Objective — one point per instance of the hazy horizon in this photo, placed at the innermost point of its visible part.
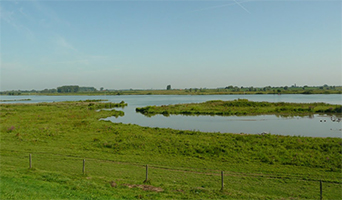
(211, 88)
(186, 44)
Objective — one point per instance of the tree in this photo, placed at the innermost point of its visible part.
(168, 87)
(68, 89)
(87, 89)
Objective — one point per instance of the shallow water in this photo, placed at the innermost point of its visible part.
(315, 126)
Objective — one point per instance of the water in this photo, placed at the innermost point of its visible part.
(314, 126)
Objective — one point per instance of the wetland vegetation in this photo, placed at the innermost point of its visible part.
(241, 107)
(183, 164)
(12, 100)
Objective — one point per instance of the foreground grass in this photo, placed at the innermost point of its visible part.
(182, 164)
(242, 107)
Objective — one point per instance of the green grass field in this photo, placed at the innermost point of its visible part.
(182, 164)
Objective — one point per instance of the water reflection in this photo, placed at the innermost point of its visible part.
(330, 126)
(308, 125)
(333, 117)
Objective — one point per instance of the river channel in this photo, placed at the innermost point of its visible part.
(313, 126)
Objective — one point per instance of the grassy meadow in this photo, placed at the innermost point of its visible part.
(182, 164)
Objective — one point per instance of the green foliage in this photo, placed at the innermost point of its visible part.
(68, 89)
(185, 164)
(241, 107)
(93, 100)
(95, 106)
(87, 89)
(15, 100)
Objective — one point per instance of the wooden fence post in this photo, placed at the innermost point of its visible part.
(321, 189)
(146, 173)
(222, 183)
(83, 170)
(30, 160)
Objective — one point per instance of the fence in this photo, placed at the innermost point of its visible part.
(136, 172)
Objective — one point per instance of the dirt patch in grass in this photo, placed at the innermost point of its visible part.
(145, 187)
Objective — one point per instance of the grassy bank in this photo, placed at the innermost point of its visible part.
(241, 107)
(182, 164)
(15, 100)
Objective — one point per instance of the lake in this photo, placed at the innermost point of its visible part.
(313, 126)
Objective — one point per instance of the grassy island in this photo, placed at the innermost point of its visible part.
(241, 107)
(181, 164)
(12, 100)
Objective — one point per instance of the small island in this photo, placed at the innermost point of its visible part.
(11, 100)
(241, 107)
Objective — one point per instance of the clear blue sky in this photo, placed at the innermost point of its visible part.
(151, 44)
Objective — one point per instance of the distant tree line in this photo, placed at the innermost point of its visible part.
(294, 89)
(74, 89)
(88, 89)
(68, 89)
(62, 89)
(48, 91)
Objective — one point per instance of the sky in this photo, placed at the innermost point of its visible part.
(145, 44)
